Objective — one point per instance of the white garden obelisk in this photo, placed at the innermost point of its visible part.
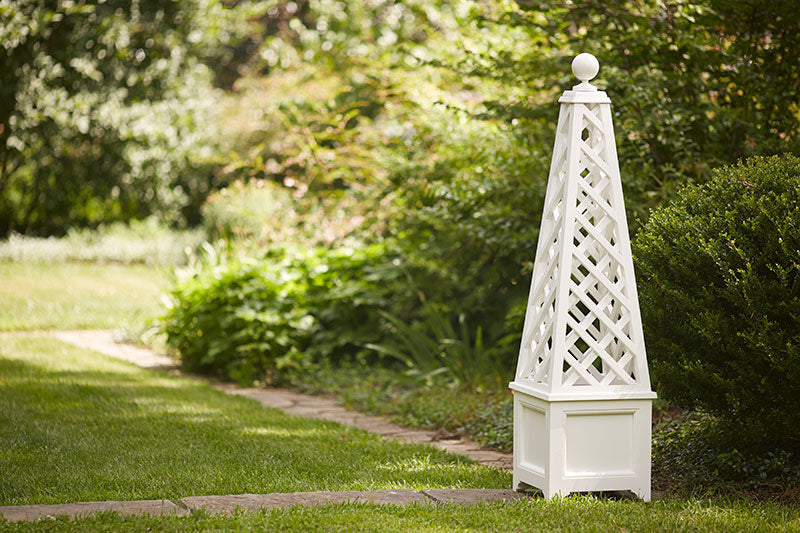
(582, 398)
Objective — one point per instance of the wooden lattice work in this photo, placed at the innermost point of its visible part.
(582, 328)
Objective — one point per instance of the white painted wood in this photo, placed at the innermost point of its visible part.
(582, 341)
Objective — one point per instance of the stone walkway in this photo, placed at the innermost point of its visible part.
(292, 403)
(255, 502)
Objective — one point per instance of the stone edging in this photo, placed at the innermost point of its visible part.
(254, 502)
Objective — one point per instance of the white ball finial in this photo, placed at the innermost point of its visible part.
(585, 67)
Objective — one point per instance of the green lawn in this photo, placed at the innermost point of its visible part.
(78, 295)
(79, 426)
(578, 513)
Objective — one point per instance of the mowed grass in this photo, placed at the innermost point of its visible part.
(576, 513)
(79, 426)
(78, 295)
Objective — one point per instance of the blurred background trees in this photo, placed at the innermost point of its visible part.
(114, 110)
(106, 111)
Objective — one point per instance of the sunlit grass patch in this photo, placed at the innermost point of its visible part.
(78, 295)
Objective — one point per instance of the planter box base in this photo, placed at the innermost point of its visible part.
(582, 445)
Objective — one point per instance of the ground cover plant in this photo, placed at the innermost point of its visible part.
(463, 409)
(79, 426)
(576, 513)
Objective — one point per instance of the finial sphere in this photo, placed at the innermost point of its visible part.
(585, 66)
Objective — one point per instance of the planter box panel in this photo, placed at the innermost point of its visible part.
(599, 443)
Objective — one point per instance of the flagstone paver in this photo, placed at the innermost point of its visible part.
(255, 502)
(103, 341)
(229, 504)
(17, 513)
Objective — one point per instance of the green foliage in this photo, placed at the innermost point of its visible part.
(466, 218)
(478, 412)
(719, 276)
(493, 425)
(453, 145)
(694, 84)
(238, 321)
(435, 345)
(106, 112)
(248, 319)
(691, 455)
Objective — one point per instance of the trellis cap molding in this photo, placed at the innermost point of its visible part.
(585, 67)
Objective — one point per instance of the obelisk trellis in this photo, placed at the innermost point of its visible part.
(582, 398)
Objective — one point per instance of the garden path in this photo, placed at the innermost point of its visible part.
(255, 502)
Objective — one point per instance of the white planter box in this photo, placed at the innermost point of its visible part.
(566, 446)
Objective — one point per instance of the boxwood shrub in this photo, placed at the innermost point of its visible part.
(719, 282)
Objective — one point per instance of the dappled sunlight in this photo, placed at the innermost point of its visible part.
(426, 464)
(161, 405)
(77, 295)
(285, 432)
(97, 433)
(52, 355)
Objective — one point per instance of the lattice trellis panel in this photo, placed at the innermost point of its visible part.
(582, 329)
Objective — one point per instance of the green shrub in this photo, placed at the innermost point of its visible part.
(249, 319)
(238, 320)
(719, 281)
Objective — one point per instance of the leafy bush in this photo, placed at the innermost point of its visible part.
(249, 319)
(106, 111)
(719, 277)
(138, 241)
(238, 320)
